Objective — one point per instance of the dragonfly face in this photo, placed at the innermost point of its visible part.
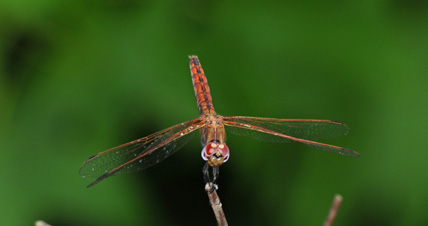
(215, 154)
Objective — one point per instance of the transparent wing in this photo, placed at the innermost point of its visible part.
(138, 154)
(290, 130)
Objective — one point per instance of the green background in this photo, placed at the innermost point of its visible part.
(79, 77)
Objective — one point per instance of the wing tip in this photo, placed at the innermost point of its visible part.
(99, 179)
(92, 184)
(338, 123)
(349, 152)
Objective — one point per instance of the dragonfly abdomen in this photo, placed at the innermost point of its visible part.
(200, 85)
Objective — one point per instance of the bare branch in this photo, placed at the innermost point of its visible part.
(216, 204)
(337, 200)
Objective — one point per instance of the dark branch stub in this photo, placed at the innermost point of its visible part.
(333, 210)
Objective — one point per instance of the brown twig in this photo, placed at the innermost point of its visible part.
(216, 204)
(337, 200)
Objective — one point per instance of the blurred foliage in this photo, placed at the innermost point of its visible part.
(77, 77)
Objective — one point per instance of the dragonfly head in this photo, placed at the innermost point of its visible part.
(215, 154)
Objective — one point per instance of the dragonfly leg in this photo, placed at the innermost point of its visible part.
(210, 174)
(206, 173)
(216, 173)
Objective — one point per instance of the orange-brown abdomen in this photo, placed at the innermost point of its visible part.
(200, 85)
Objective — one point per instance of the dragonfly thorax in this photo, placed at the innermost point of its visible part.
(213, 129)
(215, 154)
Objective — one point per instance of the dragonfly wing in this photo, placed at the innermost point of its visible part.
(309, 129)
(139, 154)
(290, 130)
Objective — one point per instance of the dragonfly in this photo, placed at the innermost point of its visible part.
(150, 150)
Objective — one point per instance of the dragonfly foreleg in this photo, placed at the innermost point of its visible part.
(210, 174)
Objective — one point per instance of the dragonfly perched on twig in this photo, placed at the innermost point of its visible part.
(150, 150)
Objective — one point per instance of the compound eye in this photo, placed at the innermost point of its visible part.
(226, 158)
(224, 151)
(209, 150)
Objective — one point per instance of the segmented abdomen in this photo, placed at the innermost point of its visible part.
(200, 85)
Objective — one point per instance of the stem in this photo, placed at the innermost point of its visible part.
(333, 210)
(216, 204)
